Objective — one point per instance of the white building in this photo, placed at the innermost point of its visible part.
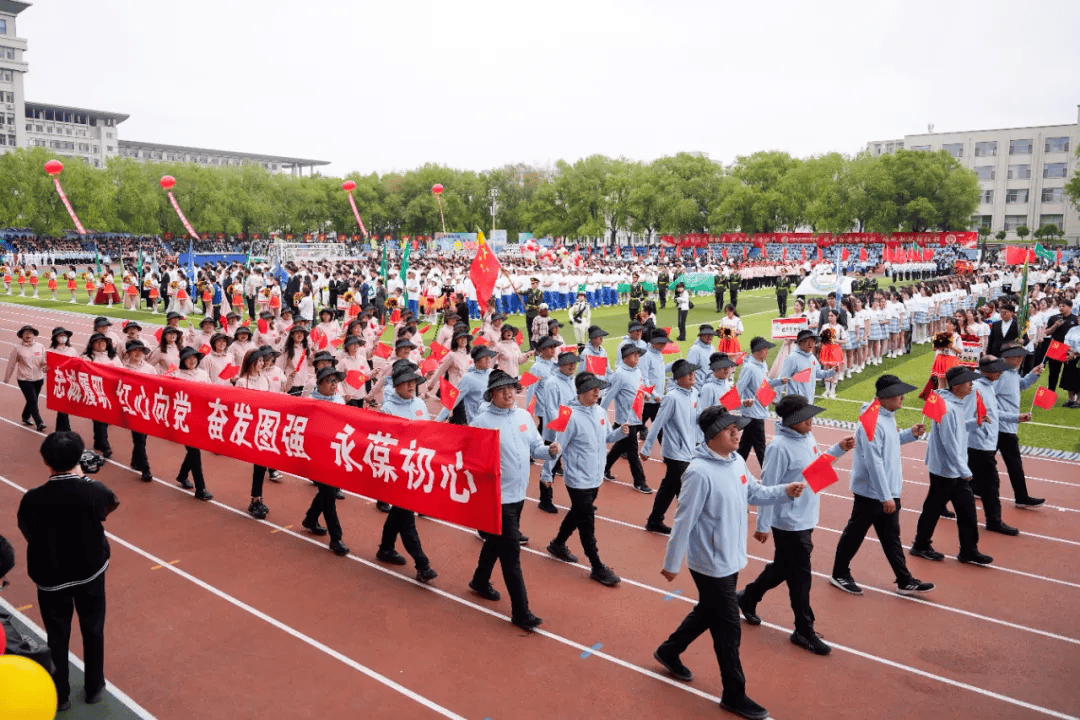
(72, 132)
(12, 69)
(1022, 172)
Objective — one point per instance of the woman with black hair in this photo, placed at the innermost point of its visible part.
(166, 356)
(296, 361)
(190, 370)
(100, 350)
(252, 377)
(61, 344)
(28, 357)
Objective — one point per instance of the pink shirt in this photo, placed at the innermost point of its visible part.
(354, 362)
(508, 356)
(28, 360)
(453, 366)
(214, 363)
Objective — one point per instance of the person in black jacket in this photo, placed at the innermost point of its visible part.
(1004, 331)
(66, 556)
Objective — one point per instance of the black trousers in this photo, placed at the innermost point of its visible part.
(1009, 447)
(791, 565)
(63, 422)
(139, 460)
(662, 291)
(735, 298)
(457, 415)
(30, 390)
(258, 475)
(985, 482)
(718, 612)
(682, 324)
(505, 548)
(867, 513)
(581, 517)
(325, 503)
(943, 490)
(648, 414)
(1053, 365)
(101, 436)
(193, 464)
(753, 437)
(670, 487)
(628, 446)
(781, 303)
(719, 295)
(57, 608)
(529, 317)
(403, 522)
(251, 306)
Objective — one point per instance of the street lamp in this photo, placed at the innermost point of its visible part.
(493, 193)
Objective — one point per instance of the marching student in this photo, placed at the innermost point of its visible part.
(242, 344)
(801, 358)
(297, 361)
(582, 444)
(792, 524)
(1007, 389)
(950, 477)
(654, 374)
(678, 417)
(190, 370)
(471, 388)
(542, 367)
(198, 339)
(325, 500)
(699, 354)
(754, 370)
(135, 360)
(710, 532)
(354, 360)
(876, 481)
(99, 349)
(518, 442)
(61, 344)
(983, 441)
(508, 354)
(622, 389)
(252, 377)
(28, 358)
(218, 358)
(558, 390)
(718, 383)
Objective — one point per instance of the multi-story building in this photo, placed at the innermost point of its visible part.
(1022, 173)
(157, 152)
(12, 69)
(73, 132)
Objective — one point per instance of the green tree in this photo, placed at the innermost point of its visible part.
(1001, 235)
(1022, 232)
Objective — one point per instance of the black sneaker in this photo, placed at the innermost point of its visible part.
(974, 558)
(926, 553)
(658, 527)
(948, 514)
(745, 707)
(526, 622)
(644, 489)
(338, 548)
(523, 539)
(275, 476)
(93, 698)
(608, 475)
(549, 508)
(340, 494)
(392, 557)
(63, 705)
(1030, 502)
(914, 586)
(203, 494)
(426, 575)
(747, 609)
(674, 666)
(847, 584)
(488, 592)
(41, 428)
(315, 529)
(184, 483)
(1000, 527)
(257, 510)
(813, 643)
(383, 506)
(147, 476)
(605, 576)
(561, 552)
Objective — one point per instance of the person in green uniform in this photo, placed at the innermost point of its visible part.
(533, 297)
(718, 289)
(733, 287)
(783, 285)
(637, 294)
(663, 279)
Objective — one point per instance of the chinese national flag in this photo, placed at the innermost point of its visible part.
(934, 408)
(484, 271)
(1045, 398)
(863, 255)
(802, 376)
(672, 348)
(157, 334)
(980, 409)
(438, 351)
(205, 349)
(568, 348)
(731, 399)
(475, 330)
(596, 365)
(844, 254)
(318, 338)
(528, 379)
(804, 254)
(383, 350)
(337, 342)
(559, 423)
(263, 326)
(355, 378)
(783, 255)
(820, 473)
(429, 365)
(228, 372)
(449, 393)
(480, 340)
(765, 394)
(246, 323)
(172, 368)
(1057, 351)
(425, 328)
(869, 419)
(532, 406)
(639, 402)
(1018, 256)
(519, 338)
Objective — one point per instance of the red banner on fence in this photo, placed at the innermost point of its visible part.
(443, 471)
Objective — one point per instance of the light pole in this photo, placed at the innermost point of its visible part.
(493, 193)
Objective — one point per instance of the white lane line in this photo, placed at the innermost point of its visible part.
(426, 702)
(116, 692)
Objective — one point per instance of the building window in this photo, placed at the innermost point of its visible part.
(1051, 195)
(1056, 145)
(84, 147)
(11, 140)
(109, 135)
(9, 53)
(1055, 220)
(1054, 170)
(29, 127)
(986, 149)
(1013, 197)
(985, 172)
(1014, 221)
(987, 197)
(1021, 147)
(9, 76)
(49, 129)
(920, 148)
(8, 97)
(2, 140)
(979, 221)
(1019, 172)
(3, 27)
(954, 149)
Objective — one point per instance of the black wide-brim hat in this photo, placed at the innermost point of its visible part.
(242, 329)
(992, 365)
(61, 331)
(682, 368)
(405, 376)
(329, 372)
(630, 349)
(547, 342)
(189, 352)
(136, 345)
(793, 409)
(890, 386)
(659, 338)
(1017, 351)
(27, 328)
(760, 343)
(595, 332)
(724, 420)
(706, 329)
(587, 381)
(805, 335)
(498, 379)
(960, 375)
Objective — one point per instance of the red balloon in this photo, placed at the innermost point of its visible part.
(348, 186)
(53, 167)
(437, 188)
(167, 182)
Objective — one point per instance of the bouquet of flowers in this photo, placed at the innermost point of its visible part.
(942, 341)
(297, 297)
(174, 284)
(347, 297)
(828, 336)
(265, 291)
(727, 333)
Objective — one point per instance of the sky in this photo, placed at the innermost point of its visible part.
(477, 84)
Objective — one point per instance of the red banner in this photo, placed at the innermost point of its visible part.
(180, 214)
(356, 214)
(448, 472)
(67, 204)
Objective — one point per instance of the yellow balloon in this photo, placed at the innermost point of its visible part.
(27, 691)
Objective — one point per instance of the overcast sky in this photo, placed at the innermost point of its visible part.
(381, 86)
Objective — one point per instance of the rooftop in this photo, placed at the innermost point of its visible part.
(13, 7)
(102, 114)
(259, 157)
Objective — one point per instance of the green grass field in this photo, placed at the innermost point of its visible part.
(1056, 428)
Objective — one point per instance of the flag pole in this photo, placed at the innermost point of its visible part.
(512, 286)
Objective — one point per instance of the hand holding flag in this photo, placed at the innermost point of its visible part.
(1057, 351)
(528, 379)
(868, 419)
(934, 408)
(820, 474)
(228, 372)
(803, 375)
(765, 394)
(356, 378)
(561, 420)
(731, 399)
(448, 393)
(596, 364)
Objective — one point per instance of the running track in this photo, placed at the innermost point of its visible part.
(214, 614)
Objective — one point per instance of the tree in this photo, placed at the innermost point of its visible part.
(1001, 235)
(1022, 232)
(984, 232)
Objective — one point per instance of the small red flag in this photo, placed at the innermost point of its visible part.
(765, 394)
(528, 379)
(532, 406)
(354, 310)
(639, 402)
(804, 254)
(449, 393)
(928, 390)
(596, 365)
(568, 348)
(868, 419)
(356, 378)
(820, 473)
(395, 317)
(228, 372)
(319, 338)
(1045, 398)
(246, 323)
(519, 338)
(863, 255)
(300, 362)
(336, 342)
(803, 375)
(425, 328)
(934, 408)
(438, 351)
(672, 348)
(383, 350)
(205, 349)
(731, 399)
(560, 421)
(737, 358)
(123, 325)
(844, 254)
(429, 365)
(480, 340)
(475, 330)
(157, 334)
(980, 409)
(172, 368)
(483, 272)
(667, 331)
(263, 326)
(1057, 351)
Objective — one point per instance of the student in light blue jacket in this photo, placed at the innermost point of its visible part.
(801, 358)
(699, 353)
(950, 478)
(791, 524)
(543, 366)
(558, 390)
(678, 416)
(983, 442)
(595, 349)
(654, 373)
(754, 371)
(471, 387)
(624, 384)
(710, 532)
(719, 381)
(876, 480)
(1008, 388)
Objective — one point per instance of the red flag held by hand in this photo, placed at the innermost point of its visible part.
(532, 406)
(172, 368)
(868, 419)
(395, 317)
(765, 393)
(157, 334)
(438, 351)
(1045, 398)
(528, 379)
(980, 409)
(425, 328)
(519, 338)
(803, 375)
(337, 342)
(300, 362)
(596, 364)
(356, 378)
(429, 365)
(448, 393)
(934, 408)
(205, 349)
(560, 421)
(671, 348)
(639, 403)
(480, 340)
(820, 473)
(731, 399)
(264, 326)
(1057, 351)
(228, 372)
(383, 350)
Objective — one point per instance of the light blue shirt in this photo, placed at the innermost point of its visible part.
(946, 450)
(518, 441)
(877, 471)
(1007, 390)
(471, 389)
(710, 521)
(711, 391)
(699, 355)
(559, 389)
(750, 377)
(540, 370)
(796, 362)
(316, 395)
(414, 409)
(590, 351)
(786, 457)
(677, 417)
(624, 386)
(584, 444)
(653, 372)
(983, 437)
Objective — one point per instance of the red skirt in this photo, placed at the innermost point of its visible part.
(52, 284)
(72, 285)
(729, 345)
(90, 286)
(132, 291)
(831, 354)
(942, 363)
